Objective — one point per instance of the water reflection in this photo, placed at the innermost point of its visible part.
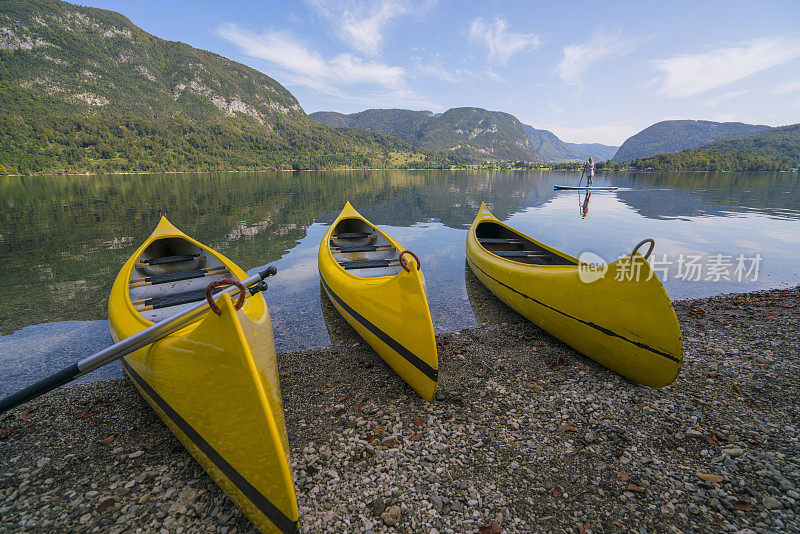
(40, 350)
(486, 308)
(339, 332)
(583, 206)
(63, 238)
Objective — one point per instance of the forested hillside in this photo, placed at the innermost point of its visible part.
(672, 136)
(459, 134)
(85, 90)
(704, 159)
(780, 144)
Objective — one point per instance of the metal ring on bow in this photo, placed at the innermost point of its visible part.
(405, 264)
(224, 282)
(642, 242)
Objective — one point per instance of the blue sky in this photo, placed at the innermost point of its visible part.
(588, 71)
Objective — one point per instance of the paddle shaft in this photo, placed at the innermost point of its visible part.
(149, 335)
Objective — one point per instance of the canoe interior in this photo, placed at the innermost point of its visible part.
(373, 250)
(510, 245)
(171, 276)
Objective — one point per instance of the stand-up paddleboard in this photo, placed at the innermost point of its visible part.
(591, 188)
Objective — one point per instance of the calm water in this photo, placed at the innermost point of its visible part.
(63, 239)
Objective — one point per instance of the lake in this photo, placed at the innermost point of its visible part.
(64, 238)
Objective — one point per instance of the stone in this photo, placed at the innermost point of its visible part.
(392, 515)
(437, 503)
(771, 503)
(378, 506)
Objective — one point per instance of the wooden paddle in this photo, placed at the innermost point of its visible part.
(116, 351)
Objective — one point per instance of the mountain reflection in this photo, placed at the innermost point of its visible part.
(64, 238)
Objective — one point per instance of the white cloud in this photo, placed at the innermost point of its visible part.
(307, 67)
(435, 68)
(689, 75)
(558, 110)
(379, 84)
(502, 43)
(724, 98)
(399, 98)
(361, 23)
(787, 88)
(576, 58)
(492, 75)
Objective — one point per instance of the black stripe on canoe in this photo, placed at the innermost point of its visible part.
(412, 358)
(170, 259)
(272, 512)
(597, 327)
(176, 277)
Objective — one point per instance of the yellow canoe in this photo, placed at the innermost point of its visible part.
(214, 382)
(381, 293)
(622, 318)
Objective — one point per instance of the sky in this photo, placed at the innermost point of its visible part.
(588, 71)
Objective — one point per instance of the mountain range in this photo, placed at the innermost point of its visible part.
(85, 90)
(469, 133)
(554, 150)
(777, 149)
(673, 136)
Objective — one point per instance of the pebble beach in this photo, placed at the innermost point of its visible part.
(525, 435)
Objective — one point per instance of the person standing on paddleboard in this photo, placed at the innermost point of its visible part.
(589, 172)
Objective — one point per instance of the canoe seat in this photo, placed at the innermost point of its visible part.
(499, 240)
(176, 277)
(520, 254)
(367, 264)
(362, 248)
(352, 235)
(175, 299)
(170, 259)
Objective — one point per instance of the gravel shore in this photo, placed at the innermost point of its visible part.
(525, 435)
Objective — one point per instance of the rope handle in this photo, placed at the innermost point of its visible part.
(405, 264)
(224, 282)
(162, 213)
(642, 242)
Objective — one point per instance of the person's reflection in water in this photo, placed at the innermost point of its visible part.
(585, 205)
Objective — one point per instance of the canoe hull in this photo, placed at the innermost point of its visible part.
(628, 326)
(389, 312)
(215, 385)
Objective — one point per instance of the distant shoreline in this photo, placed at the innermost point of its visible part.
(233, 171)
